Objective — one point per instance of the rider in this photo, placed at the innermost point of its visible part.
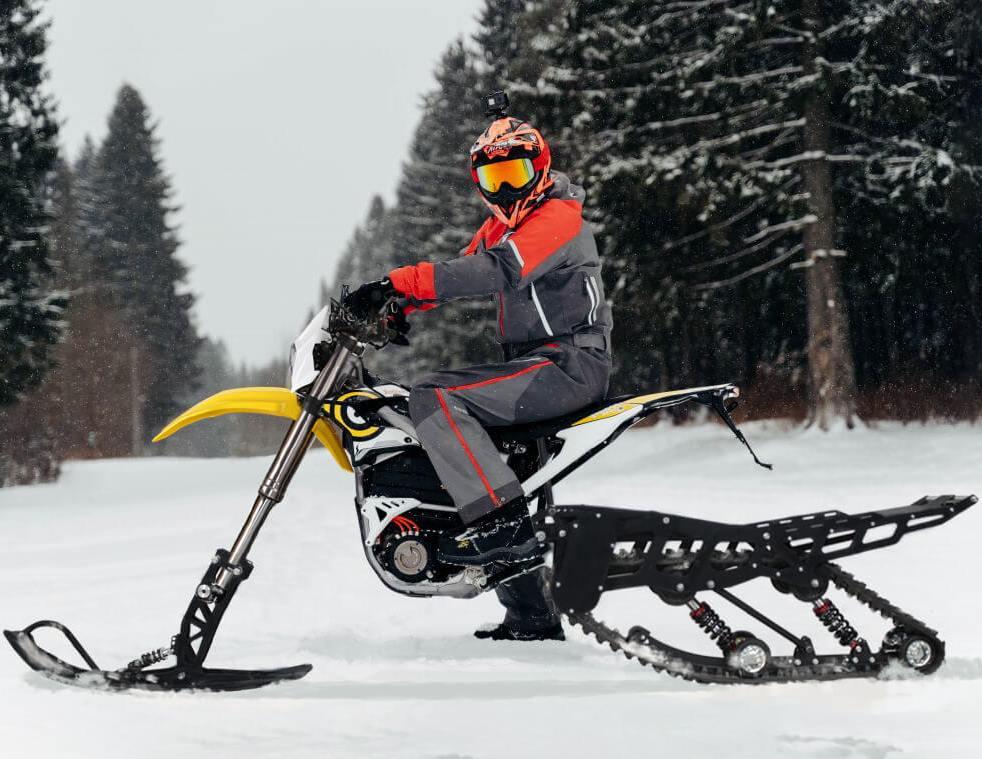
(539, 260)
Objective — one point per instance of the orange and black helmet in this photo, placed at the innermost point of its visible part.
(510, 164)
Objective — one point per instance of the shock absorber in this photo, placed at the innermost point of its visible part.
(712, 624)
(830, 616)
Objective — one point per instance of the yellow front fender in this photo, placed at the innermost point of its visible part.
(270, 401)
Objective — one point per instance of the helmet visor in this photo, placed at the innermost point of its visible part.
(517, 173)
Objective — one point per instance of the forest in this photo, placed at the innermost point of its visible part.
(785, 194)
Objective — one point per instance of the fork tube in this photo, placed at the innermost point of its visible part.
(288, 457)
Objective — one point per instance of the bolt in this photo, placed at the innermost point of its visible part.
(600, 587)
(559, 584)
(216, 559)
(407, 440)
(599, 515)
(711, 584)
(664, 520)
(797, 662)
(562, 533)
(815, 583)
(815, 661)
(778, 574)
(237, 571)
(540, 536)
(801, 569)
(767, 536)
(872, 660)
(576, 525)
(680, 587)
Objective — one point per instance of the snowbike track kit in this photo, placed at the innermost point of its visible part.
(402, 511)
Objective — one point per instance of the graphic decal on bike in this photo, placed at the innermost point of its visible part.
(345, 416)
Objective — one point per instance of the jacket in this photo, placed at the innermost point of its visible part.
(544, 274)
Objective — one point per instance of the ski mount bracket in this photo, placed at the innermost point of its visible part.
(189, 647)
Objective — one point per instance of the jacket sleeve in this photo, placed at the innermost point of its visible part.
(523, 256)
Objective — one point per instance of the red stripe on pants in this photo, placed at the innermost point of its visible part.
(491, 381)
(467, 449)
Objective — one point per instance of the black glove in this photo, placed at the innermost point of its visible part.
(368, 299)
(398, 326)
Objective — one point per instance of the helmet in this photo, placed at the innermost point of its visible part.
(510, 166)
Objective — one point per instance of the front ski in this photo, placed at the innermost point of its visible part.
(189, 647)
(165, 679)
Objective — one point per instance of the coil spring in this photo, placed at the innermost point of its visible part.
(830, 616)
(713, 625)
(150, 657)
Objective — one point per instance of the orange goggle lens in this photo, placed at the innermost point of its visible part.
(517, 173)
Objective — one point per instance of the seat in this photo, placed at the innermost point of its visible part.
(549, 427)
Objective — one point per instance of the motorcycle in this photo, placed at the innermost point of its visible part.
(403, 510)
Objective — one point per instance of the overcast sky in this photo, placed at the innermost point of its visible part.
(277, 121)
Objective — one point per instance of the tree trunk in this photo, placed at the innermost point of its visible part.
(832, 377)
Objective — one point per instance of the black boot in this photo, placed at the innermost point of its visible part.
(504, 632)
(504, 536)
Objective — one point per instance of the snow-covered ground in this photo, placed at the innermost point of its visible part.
(116, 547)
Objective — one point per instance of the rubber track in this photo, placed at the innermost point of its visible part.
(702, 669)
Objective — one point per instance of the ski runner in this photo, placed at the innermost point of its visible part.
(539, 260)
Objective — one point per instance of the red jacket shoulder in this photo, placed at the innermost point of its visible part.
(546, 230)
(486, 232)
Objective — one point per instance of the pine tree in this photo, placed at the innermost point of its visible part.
(134, 248)
(30, 310)
(728, 139)
(438, 211)
(365, 254)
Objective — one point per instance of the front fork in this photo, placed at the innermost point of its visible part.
(229, 568)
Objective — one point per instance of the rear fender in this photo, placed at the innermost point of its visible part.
(267, 401)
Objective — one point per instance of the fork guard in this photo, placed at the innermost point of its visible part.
(789, 551)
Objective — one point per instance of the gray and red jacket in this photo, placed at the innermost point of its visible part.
(544, 274)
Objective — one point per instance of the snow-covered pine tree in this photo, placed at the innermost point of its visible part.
(914, 249)
(134, 247)
(364, 253)
(513, 41)
(30, 309)
(726, 139)
(437, 212)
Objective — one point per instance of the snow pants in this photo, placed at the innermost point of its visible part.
(451, 409)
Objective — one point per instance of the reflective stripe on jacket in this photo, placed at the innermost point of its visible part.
(545, 274)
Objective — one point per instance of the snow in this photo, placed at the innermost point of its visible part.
(115, 549)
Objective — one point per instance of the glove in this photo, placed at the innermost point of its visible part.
(399, 325)
(368, 299)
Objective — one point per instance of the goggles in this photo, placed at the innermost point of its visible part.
(517, 173)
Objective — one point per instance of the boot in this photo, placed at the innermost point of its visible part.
(504, 536)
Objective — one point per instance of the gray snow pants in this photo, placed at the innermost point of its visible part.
(450, 410)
